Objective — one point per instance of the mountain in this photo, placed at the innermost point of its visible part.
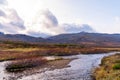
(1, 33)
(82, 38)
(88, 38)
(19, 37)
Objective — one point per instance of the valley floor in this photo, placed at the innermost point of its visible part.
(24, 56)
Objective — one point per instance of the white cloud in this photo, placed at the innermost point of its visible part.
(46, 23)
(43, 24)
(2, 14)
(76, 28)
(10, 22)
(3, 2)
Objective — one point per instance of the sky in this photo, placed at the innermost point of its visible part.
(53, 17)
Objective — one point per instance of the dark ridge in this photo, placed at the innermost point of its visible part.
(84, 38)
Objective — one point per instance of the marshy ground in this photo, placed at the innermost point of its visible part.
(26, 57)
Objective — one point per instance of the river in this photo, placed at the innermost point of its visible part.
(80, 69)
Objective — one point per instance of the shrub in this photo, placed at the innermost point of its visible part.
(21, 65)
(116, 66)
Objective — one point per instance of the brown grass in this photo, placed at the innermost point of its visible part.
(21, 65)
(109, 68)
(21, 53)
(24, 53)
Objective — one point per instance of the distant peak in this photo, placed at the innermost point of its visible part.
(1, 33)
(83, 32)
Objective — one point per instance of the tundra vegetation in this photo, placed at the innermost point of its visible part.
(109, 68)
(21, 53)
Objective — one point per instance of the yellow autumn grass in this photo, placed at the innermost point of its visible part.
(108, 69)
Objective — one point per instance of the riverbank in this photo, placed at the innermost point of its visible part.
(57, 64)
(109, 68)
(79, 68)
(50, 62)
(22, 56)
(50, 65)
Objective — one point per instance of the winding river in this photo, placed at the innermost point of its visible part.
(80, 69)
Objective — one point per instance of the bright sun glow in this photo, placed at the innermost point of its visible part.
(26, 9)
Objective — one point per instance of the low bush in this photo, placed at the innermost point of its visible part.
(21, 65)
(109, 68)
(116, 66)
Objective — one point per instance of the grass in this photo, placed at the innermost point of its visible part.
(21, 53)
(21, 49)
(109, 68)
(21, 65)
(116, 66)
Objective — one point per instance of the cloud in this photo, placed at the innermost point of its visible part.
(10, 22)
(3, 2)
(46, 23)
(76, 28)
(2, 13)
(49, 17)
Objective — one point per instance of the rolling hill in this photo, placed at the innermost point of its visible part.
(93, 39)
(20, 37)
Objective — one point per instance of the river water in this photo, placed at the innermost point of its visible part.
(80, 69)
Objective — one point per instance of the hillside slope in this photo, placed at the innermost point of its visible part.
(92, 39)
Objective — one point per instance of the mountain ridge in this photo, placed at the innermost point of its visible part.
(96, 39)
